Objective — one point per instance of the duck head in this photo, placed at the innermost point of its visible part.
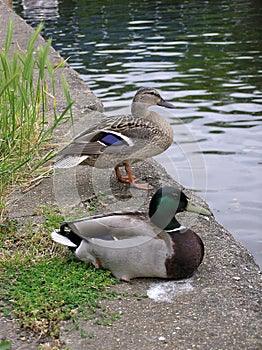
(166, 203)
(150, 97)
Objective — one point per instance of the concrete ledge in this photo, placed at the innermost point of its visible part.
(219, 308)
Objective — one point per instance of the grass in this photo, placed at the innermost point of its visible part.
(42, 284)
(5, 345)
(27, 99)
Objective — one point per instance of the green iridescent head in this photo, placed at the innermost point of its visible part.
(166, 203)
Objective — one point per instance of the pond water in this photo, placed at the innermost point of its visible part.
(205, 57)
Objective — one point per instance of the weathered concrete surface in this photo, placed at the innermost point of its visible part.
(220, 309)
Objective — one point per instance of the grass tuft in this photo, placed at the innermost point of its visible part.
(28, 110)
(42, 284)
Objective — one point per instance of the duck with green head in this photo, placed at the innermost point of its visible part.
(135, 244)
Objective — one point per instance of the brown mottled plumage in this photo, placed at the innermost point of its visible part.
(122, 140)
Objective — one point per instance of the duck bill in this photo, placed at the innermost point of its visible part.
(197, 209)
(166, 104)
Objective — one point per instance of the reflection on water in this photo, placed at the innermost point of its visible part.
(203, 56)
(40, 9)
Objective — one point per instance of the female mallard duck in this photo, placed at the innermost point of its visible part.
(121, 140)
(133, 244)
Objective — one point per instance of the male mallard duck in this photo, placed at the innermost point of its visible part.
(133, 244)
(121, 140)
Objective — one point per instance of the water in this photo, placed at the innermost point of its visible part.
(205, 57)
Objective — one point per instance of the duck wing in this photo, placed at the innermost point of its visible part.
(123, 134)
(115, 226)
(122, 243)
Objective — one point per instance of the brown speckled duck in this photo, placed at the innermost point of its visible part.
(134, 244)
(122, 140)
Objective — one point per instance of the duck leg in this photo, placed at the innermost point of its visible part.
(131, 179)
(120, 177)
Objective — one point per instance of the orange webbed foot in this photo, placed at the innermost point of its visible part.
(131, 179)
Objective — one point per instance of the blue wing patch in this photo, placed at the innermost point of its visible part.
(110, 139)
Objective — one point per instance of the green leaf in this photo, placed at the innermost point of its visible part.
(5, 345)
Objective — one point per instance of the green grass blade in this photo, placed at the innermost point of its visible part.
(8, 36)
(8, 83)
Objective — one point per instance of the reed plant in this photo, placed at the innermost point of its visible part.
(27, 92)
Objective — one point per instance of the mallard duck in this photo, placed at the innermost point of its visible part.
(121, 140)
(135, 244)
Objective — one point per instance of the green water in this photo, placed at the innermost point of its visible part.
(205, 57)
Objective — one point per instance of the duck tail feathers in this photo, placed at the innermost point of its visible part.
(69, 162)
(58, 238)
